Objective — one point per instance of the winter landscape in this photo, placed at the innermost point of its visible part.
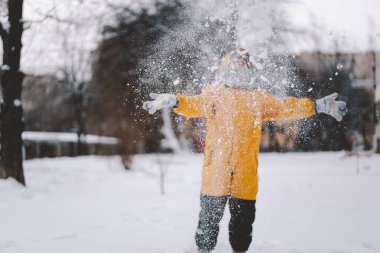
(190, 126)
(307, 203)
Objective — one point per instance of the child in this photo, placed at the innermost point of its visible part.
(235, 110)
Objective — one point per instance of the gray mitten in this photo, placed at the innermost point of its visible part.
(330, 106)
(160, 101)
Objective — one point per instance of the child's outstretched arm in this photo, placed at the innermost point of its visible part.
(298, 108)
(188, 106)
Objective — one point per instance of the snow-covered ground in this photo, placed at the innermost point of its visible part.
(308, 202)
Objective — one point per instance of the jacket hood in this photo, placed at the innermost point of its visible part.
(230, 74)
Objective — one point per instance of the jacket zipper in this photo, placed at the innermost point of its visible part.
(232, 165)
(231, 170)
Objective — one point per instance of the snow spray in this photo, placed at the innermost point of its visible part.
(186, 58)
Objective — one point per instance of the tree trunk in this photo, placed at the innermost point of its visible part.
(168, 132)
(12, 124)
(79, 118)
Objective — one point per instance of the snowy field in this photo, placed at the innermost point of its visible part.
(307, 202)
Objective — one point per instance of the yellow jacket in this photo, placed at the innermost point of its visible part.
(234, 120)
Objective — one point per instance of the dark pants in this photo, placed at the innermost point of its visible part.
(240, 226)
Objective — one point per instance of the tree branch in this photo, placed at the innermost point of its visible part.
(49, 14)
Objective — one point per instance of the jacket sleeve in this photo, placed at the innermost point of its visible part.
(290, 108)
(191, 106)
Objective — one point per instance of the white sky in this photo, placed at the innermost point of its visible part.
(346, 25)
(352, 22)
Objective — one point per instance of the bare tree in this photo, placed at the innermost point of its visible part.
(11, 81)
(74, 65)
(163, 162)
(75, 70)
(168, 132)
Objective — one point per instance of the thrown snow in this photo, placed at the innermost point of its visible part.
(5, 67)
(6, 26)
(17, 102)
(308, 202)
(177, 81)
